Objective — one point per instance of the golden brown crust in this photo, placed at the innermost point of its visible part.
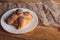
(12, 18)
(27, 15)
(19, 19)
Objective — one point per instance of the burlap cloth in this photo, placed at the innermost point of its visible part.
(48, 14)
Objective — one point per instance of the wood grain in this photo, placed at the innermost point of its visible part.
(40, 33)
(23, 0)
(58, 1)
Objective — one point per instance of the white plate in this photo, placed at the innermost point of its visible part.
(12, 29)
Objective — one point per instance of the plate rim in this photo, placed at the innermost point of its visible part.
(18, 33)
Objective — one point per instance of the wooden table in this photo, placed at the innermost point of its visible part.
(58, 1)
(39, 33)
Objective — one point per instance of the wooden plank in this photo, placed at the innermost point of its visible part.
(22, 0)
(57, 1)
